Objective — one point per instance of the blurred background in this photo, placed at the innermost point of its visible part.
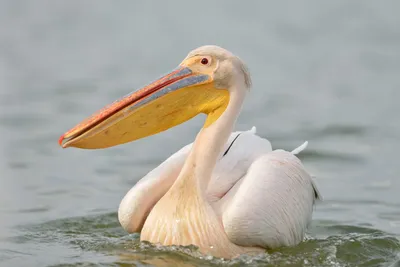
(326, 72)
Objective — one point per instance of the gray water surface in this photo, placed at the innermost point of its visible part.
(326, 72)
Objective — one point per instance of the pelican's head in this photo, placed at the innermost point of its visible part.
(202, 83)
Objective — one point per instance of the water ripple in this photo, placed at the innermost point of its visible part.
(346, 245)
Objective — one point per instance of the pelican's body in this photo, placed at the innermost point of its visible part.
(227, 193)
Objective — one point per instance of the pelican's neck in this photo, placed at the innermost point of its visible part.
(197, 170)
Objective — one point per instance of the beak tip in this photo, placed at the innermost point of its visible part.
(60, 141)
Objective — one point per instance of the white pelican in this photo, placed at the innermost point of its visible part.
(226, 193)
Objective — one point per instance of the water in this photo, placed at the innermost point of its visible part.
(323, 72)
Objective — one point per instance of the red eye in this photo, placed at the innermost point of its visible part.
(204, 61)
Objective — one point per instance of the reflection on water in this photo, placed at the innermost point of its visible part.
(322, 72)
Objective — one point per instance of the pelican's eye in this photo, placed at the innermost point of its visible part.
(204, 61)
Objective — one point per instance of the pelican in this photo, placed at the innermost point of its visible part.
(228, 193)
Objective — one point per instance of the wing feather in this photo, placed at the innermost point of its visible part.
(271, 205)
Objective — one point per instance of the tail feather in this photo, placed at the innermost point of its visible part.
(300, 148)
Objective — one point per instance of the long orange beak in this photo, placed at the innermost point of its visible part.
(152, 109)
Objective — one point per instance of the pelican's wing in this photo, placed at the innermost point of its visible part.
(271, 204)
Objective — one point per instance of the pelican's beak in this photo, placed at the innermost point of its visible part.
(165, 103)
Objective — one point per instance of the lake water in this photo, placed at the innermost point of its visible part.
(326, 72)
